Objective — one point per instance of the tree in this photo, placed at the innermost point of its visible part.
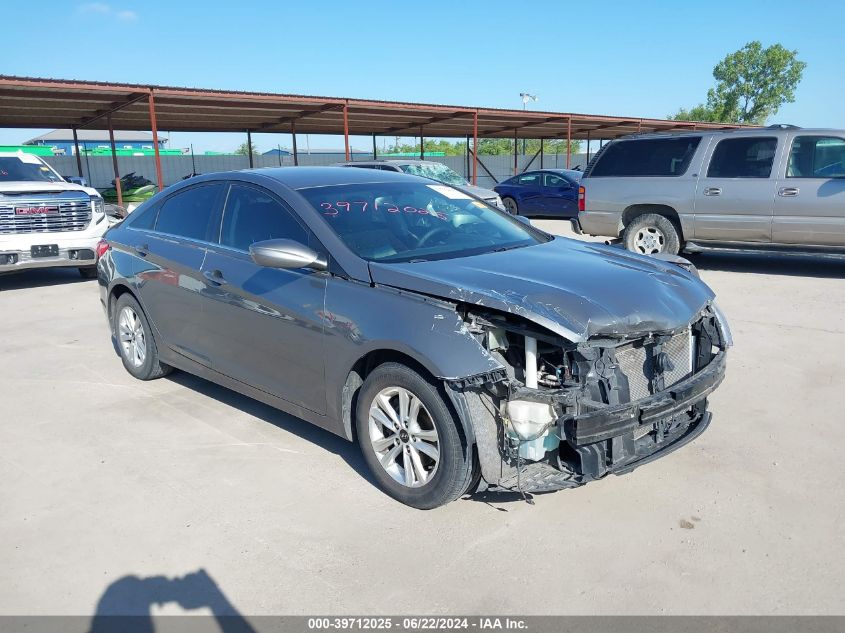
(243, 149)
(751, 85)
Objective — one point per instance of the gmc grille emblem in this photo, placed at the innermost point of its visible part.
(36, 210)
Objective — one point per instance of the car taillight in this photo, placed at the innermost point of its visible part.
(582, 198)
(102, 247)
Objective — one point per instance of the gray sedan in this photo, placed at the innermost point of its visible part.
(460, 347)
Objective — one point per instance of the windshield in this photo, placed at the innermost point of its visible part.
(435, 171)
(14, 168)
(413, 221)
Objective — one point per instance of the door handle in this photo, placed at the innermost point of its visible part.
(788, 192)
(713, 191)
(142, 249)
(214, 276)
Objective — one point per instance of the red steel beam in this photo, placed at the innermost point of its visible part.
(154, 126)
(113, 107)
(346, 129)
(114, 163)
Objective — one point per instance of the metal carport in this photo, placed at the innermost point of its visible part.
(43, 103)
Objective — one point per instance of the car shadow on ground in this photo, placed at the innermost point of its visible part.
(764, 264)
(40, 278)
(127, 604)
(348, 451)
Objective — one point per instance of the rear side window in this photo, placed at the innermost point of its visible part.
(750, 157)
(816, 157)
(189, 212)
(553, 180)
(253, 215)
(144, 218)
(529, 180)
(647, 157)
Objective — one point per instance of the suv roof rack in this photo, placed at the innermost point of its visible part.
(783, 126)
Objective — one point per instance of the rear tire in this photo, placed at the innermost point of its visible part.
(88, 272)
(410, 439)
(511, 205)
(135, 340)
(650, 233)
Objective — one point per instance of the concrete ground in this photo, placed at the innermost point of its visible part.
(117, 495)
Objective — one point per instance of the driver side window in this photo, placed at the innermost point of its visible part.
(253, 215)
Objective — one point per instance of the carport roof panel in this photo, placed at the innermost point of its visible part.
(58, 103)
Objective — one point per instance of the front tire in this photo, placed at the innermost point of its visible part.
(511, 205)
(650, 234)
(135, 340)
(410, 438)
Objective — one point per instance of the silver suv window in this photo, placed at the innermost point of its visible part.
(646, 157)
(748, 157)
(816, 157)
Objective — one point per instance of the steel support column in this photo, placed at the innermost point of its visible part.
(249, 146)
(588, 148)
(515, 146)
(346, 129)
(375, 149)
(154, 126)
(475, 148)
(293, 142)
(76, 150)
(568, 141)
(114, 164)
(541, 153)
(467, 167)
(422, 144)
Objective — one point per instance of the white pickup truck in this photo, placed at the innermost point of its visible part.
(46, 221)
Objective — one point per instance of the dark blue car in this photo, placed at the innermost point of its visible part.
(544, 192)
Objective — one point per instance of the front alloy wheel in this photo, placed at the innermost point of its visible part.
(412, 442)
(403, 437)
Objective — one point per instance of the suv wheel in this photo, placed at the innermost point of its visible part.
(511, 205)
(410, 439)
(135, 340)
(650, 234)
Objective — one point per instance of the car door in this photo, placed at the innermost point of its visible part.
(810, 200)
(735, 193)
(169, 257)
(529, 192)
(559, 196)
(265, 322)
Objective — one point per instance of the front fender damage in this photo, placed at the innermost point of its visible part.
(562, 413)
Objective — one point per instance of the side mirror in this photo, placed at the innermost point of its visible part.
(288, 254)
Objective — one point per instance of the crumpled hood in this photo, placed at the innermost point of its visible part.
(576, 289)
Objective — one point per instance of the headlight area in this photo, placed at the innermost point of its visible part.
(563, 414)
(98, 209)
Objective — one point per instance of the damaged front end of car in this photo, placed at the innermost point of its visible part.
(561, 413)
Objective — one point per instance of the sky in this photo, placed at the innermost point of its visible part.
(637, 59)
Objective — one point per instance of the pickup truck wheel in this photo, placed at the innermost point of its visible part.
(510, 205)
(410, 439)
(650, 234)
(88, 272)
(135, 340)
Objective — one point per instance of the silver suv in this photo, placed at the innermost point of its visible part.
(776, 188)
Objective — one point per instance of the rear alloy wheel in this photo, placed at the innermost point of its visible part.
(410, 439)
(135, 341)
(650, 234)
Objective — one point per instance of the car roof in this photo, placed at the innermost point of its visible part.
(744, 131)
(305, 177)
(391, 161)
